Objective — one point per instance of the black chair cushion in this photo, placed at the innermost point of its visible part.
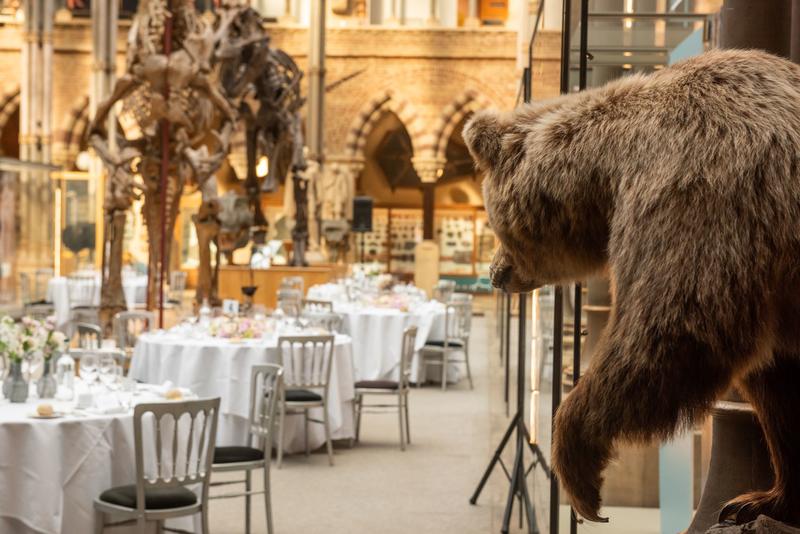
(154, 498)
(377, 384)
(232, 455)
(452, 343)
(302, 395)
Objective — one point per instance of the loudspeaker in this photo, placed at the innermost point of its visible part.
(362, 214)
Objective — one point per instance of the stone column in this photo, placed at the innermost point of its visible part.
(426, 254)
(36, 198)
(288, 16)
(316, 83)
(433, 14)
(394, 18)
(473, 19)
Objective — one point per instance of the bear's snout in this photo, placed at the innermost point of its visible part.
(500, 275)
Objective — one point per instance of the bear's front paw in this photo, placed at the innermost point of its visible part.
(774, 504)
(579, 460)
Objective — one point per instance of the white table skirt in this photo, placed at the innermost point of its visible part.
(215, 367)
(134, 287)
(52, 470)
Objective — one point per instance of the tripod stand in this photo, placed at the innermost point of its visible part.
(519, 473)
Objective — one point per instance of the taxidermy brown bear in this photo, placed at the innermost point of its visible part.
(685, 185)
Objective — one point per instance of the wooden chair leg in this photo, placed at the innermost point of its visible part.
(408, 425)
(328, 440)
(280, 433)
(99, 522)
(268, 497)
(402, 423)
(305, 417)
(247, 509)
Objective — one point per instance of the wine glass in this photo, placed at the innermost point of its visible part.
(108, 371)
(88, 368)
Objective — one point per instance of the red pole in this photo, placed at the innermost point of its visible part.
(163, 267)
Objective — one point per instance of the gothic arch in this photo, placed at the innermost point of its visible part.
(469, 102)
(9, 105)
(371, 113)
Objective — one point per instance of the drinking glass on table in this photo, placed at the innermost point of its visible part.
(110, 373)
(88, 368)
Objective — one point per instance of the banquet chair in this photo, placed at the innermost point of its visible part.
(290, 301)
(457, 323)
(389, 388)
(266, 383)
(182, 460)
(317, 305)
(129, 325)
(81, 293)
(461, 297)
(293, 282)
(177, 287)
(443, 290)
(306, 362)
(90, 336)
(329, 321)
(33, 293)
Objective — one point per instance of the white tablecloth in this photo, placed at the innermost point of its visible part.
(377, 335)
(213, 367)
(51, 470)
(135, 288)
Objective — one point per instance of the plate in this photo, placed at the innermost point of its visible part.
(55, 415)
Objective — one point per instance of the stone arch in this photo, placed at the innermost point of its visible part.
(69, 139)
(9, 106)
(372, 112)
(469, 102)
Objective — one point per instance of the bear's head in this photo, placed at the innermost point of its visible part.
(550, 229)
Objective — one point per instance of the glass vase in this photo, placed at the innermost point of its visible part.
(15, 388)
(47, 385)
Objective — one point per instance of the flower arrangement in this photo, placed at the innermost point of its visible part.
(30, 335)
(236, 328)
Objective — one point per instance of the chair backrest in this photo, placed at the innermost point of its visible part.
(290, 301)
(293, 282)
(407, 355)
(306, 361)
(26, 288)
(266, 384)
(129, 325)
(176, 441)
(317, 305)
(177, 286)
(90, 336)
(330, 321)
(81, 289)
(41, 279)
(461, 297)
(458, 320)
(443, 290)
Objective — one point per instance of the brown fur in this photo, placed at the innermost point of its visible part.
(685, 184)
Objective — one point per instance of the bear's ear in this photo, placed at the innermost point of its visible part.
(483, 134)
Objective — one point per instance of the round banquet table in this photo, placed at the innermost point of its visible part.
(377, 333)
(53, 469)
(213, 367)
(134, 287)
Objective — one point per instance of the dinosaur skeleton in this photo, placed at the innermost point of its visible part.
(162, 88)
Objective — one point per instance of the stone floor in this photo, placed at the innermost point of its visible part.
(376, 488)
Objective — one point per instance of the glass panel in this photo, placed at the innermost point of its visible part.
(455, 233)
(26, 226)
(405, 233)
